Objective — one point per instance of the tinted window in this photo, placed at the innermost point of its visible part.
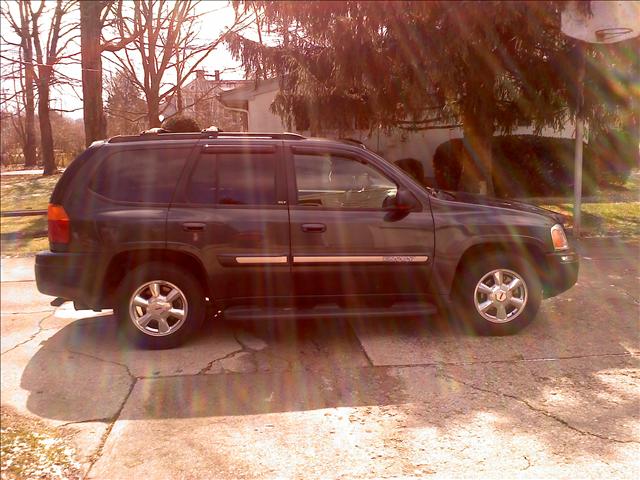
(246, 179)
(338, 182)
(148, 175)
(202, 183)
(233, 179)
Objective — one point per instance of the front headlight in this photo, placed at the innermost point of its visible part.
(559, 238)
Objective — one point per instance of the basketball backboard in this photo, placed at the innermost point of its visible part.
(609, 22)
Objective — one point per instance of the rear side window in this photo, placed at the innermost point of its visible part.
(233, 179)
(148, 176)
(64, 184)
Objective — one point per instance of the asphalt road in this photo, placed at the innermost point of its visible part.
(341, 399)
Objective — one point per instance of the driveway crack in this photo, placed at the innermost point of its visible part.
(539, 410)
(112, 421)
(210, 364)
(89, 420)
(40, 329)
(112, 362)
(364, 350)
(29, 312)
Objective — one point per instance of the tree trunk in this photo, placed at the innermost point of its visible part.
(30, 157)
(90, 31)
(46, 134)
(29, 150)
(153, 110)
(179, 99)
(477, 168)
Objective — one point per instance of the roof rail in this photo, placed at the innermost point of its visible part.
(275, 136)
(205, 134)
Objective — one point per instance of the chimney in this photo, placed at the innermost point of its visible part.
(217, 75)
(200, 74)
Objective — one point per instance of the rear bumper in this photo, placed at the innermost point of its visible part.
(561, 272)
(73, 276)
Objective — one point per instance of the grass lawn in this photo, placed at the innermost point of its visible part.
(614, 212)
(604, 219)
(26, 192)
(24, 235)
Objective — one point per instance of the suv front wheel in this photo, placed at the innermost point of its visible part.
(499, 294)
(160, 305)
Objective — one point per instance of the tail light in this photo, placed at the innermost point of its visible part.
(59, 228)
(559, 238)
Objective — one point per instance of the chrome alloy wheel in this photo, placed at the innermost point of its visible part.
(500, 296)
(158, 308)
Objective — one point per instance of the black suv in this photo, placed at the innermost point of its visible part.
(171, 228)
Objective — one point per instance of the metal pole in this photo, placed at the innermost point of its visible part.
(577, 182)
(579, 121)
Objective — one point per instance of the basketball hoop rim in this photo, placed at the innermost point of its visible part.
(611, 32)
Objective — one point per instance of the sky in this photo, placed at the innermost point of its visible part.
(216, 15)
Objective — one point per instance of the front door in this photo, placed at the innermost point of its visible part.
(345, 239)
(231, 212)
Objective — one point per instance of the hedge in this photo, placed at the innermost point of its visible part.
(528, 165)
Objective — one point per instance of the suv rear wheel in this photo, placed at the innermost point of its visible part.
(160, 305)
(499, 294)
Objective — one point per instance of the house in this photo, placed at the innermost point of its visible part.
(199, 99)
(255, 98)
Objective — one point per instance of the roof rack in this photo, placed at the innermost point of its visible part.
(150, 135)
(353, 141)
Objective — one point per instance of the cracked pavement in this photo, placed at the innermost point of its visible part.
(341, 399)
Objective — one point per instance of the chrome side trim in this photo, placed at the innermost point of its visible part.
(261, 260)
(363, 259)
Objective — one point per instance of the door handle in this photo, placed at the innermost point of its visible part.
(193, 227)
(314, 227)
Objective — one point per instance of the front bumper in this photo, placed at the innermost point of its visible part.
(561, 272)
(72, 276)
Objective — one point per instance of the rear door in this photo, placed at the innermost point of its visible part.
(345, 241)
(231, 212)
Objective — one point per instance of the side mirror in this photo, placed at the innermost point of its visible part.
(405, 201)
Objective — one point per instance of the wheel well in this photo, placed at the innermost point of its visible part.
(124, 262)
(530, 252)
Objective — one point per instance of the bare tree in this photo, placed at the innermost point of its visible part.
(25, 72)
(48, 53)
(125, 109)
(167, 43)
(95, 18)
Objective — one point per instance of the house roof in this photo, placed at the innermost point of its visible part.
(238, 97)
(223, 85)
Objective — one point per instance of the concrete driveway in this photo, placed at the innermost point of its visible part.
(342, 399)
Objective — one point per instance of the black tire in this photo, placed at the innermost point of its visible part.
(190, 301)
(472, 272)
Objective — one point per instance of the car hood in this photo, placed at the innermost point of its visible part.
(464, 197)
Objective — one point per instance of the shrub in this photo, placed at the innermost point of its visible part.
(179, 123)
(447, 164)
(615, 154)
(413, 167)
(528, 165)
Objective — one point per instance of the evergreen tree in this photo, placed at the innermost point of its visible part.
(490, 65)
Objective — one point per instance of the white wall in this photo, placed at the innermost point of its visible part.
(420, 145)
(260, 117)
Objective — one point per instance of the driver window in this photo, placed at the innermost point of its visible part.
(332, 181)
